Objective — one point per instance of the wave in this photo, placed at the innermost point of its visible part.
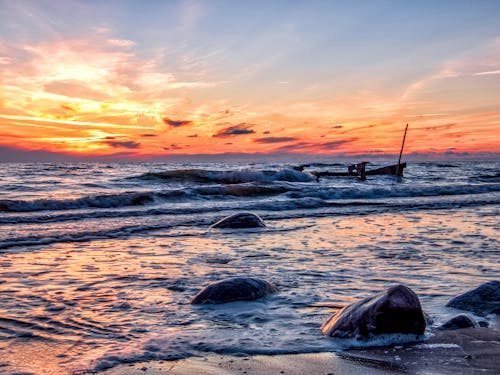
(93, 201)
(201, 218)
(86, 236)
(127, 199)
(489, 178)
(308, 193)
(363, 191)
(229, 177)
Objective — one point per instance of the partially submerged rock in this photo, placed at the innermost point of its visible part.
(483, 300)
(235, 289)
(241, 220)
(459, 322)
(396, 310)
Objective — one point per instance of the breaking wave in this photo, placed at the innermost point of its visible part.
(229, 177)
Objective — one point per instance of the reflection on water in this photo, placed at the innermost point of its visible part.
(83, 305)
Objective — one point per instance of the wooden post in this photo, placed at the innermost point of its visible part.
(399, 171)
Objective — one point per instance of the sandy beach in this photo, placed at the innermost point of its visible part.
(464, 351)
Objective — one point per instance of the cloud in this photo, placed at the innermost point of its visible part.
(21, 119)
(193, 136)
(149, 135)
(74, 89)
(487, 73)
(481, 61)
(274, 139)
(335, 144)
(176, 123)
(294, 147)
(173, 146)
(5, 60)
(123, 144)
(121, 42)
(231, 131)
(314, 147)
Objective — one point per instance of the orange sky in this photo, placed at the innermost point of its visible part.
(99, 93)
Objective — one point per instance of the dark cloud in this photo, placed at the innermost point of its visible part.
(335, 144)
(124, 144)
(274, 139)
(356, 129)
(193, 136)
(231, 131)
(176, 123)
(173, 146)
(149, 135)
(311, 147)
(440, 127)
(337, 126)
(294, 147)
(266, 132)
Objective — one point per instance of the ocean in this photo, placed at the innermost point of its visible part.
(99, 262)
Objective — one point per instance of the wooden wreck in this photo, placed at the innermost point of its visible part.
(359, 169)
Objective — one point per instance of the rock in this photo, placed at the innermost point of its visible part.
(235, 289)
(428, 319)
(396, 310)
(460, 321)
(241, 220)
(483, 300)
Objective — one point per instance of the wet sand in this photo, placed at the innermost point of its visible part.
(464, 351)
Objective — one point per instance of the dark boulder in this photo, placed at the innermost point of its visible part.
(483, 300)
(241, 220)
(396, 310)
(458, 322)
(235, 289)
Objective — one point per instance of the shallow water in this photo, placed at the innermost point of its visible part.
(99, 262)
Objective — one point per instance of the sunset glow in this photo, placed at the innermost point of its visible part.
(187, 77)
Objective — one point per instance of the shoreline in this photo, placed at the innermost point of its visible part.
(461, 351)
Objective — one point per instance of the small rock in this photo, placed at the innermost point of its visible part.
(240, 221)
(396, 310)
(235, 289)
(458, 322)
(483, 300)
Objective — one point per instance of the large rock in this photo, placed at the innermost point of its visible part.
(459, 322)
(396, 310)
(241, 220)
(483, 300)
(235, 289)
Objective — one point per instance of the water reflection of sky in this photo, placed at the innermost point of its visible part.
(83, 300)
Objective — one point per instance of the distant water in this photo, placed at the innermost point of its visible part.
(99, 261)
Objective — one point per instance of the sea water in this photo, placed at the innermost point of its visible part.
(99, 262)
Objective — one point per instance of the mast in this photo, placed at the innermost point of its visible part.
(401, 152)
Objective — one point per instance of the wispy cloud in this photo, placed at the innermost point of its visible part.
(73, 123)
(176, 123)
(274, 139)
(487, 73)
(124, 144)
(235, 130)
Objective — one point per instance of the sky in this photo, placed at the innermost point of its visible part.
(147, 79)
